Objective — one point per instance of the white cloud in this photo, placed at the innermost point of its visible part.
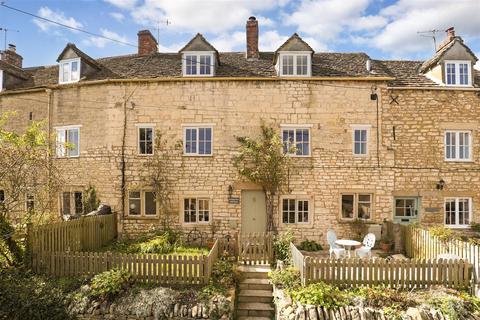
(102, 42)
(230, 42)
(407, 17)
(117, 16)
(123, 4)
(57, 16)
(477, 66)
(326, 19)
(198, 16)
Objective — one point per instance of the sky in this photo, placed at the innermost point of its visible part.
(384, 29)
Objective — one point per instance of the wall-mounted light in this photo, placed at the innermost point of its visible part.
(373, 95)
(230, 191)
(440, 184)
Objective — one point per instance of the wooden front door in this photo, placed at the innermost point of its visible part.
(254, 211)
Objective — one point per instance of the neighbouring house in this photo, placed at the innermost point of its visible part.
(375, 140)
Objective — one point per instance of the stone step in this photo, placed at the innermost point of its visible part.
(255, 284)
(254, 272)
(254, 318)
(264, 296)
(255, 309)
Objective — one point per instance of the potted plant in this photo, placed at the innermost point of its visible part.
(386, 245)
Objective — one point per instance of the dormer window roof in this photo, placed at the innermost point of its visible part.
(73, 63)
(199, 58)
(294, 58)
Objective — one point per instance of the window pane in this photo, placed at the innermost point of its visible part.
(364, 206)
(72, 140)
(190, 210)
(360, 141)
(61, 139)
(205, 62)
(66, 203)
(74, 71)
(302, 142)
(134, 203)
(203, 210)
(78, 202)
(191, 65)
(302, 211)
(302, 62)
(205, 140)
(66, 72)
(2, 195)
(288, 137)
(191, 140)
(451, 73)
(150, 204)
(347, 206)
(450, 210)
(288, 210)
(463, 73)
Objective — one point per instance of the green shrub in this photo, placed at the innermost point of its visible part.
(310, 245)
(159, 244)
(24, 295)
(281, 246)
(442, 233)
(109, 284)
(320, 294)
(223, 273)
(475, 226)
(451, 307)
(380, 297)
(288, 278)
(211, 290)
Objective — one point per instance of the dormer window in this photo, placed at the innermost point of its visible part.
(198, 64)
(458, 73)
(69, 71)
(295, 64)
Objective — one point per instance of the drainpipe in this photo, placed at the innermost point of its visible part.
(49, 93)
(123, 163)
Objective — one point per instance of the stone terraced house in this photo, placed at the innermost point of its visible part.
(375, 140)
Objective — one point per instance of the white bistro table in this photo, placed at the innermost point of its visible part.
(348, 245)
(448, 256)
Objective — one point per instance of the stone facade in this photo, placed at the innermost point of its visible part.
(408, 162)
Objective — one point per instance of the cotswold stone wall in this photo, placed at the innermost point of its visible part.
(414, 130)
(236, 108)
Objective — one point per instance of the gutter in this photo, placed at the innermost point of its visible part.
(442, 88)
(195, 79)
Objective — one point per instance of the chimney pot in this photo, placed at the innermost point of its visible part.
(147, 44)
(12, 47)
(252, 38)
(450, 33)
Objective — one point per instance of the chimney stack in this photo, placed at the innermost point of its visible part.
(11, 56)
(147, 44)
(450, 37)
(252, 38)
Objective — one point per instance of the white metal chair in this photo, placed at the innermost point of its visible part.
(368, 244)
(334, 248)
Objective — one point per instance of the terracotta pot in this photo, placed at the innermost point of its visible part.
(385, 246)
(210, 244)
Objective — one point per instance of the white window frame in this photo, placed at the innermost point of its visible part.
(145, 126)
(457, 200)
(356, 197)
(457, 146)
(142, 205)
(198, 64)
(1, 80)
(197, 198)
(69, 62)
(27, 200)
(296, 199)
(62, 151)
(365, 127)
(295, 54)
(457, 72)
(287, 127)
(197, 126)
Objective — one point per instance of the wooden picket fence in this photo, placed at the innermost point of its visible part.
(255, 248)
(84, 234)
(400, 274)
(148, 268)
(421, 244)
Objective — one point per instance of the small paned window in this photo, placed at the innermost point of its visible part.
(356, 206)
(72, 203)
(296, 141)
(198, 64)
(68, 142)
(196, 210)
(458, 212)
(142, 203)
(458, 145)
(145, 140)
(295, 211)
(360, 141)
(30, 202)
(295, 64)
(198, 141)
(69, 71)
(458, 73)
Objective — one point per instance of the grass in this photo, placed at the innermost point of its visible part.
(156, 244)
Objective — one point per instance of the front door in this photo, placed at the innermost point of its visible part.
(254, 211)
(405, 209)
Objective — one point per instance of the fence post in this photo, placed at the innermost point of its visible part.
(29, 245)
(82, 233)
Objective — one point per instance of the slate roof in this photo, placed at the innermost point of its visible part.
(438, 55)
(85, 57)
(234, 64)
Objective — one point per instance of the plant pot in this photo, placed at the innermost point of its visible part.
(386, 246)
(210, 244)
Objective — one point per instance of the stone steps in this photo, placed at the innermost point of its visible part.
(255, 299)
(255, 284)
(264, 296)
